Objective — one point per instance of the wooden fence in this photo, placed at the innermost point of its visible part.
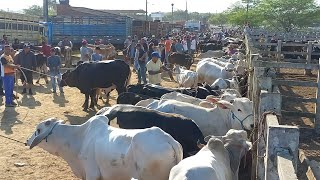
(277, 147)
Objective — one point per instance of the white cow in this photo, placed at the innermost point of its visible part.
(236, 114)
(221, 62)
(209, 72)
(95, 150)
(220, 84)
(218, 160)
(186, 78)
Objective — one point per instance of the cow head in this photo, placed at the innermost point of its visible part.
(68, 79)
(240, 112)
(235, 145)
(43, 131)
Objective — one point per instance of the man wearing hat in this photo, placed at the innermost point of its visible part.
(84, 52)
(54, 63)
(27, 60)
(154, 68)
(8, 78)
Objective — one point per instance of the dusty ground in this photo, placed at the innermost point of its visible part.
(20, 122)
(309, 140)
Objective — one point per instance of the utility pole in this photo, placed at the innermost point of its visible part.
(172, 12)
(247, 15)
(45, 11)
(145, 27)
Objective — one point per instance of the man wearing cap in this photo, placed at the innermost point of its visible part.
(27, 60)
(65, 42)
(8, 78)
(54, 63)
(84, 51)
(154, 68)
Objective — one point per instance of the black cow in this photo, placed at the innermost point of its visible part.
(180, 59)
(315, 50)
(182, 129)
(42, 67)
(131, 98)
(157, 91)
(210, 46)
(87, 77)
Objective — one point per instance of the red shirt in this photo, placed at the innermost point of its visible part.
(46, 50)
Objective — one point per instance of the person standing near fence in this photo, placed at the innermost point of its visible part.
(8, 78)
(142, 56)
(167, 48)
(27, 60)
(54, 64)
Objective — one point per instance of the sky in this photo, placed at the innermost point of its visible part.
(202, 6)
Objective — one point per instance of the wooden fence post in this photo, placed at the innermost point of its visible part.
(309, 53)
(279, 47)
(317, 108)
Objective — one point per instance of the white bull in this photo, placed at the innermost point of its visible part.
(220, 84)
(209, 72)
(218, 160)
(186, 78)
(95, 150)
(236, 114)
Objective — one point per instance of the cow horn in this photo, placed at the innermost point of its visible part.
(200, 146)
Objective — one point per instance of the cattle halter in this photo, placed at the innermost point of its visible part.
(51, 131)
(233, 116)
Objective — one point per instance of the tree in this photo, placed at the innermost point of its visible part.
(288, 14)
(218, 19)
(36, 10)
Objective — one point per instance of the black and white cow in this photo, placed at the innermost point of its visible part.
(182, 129)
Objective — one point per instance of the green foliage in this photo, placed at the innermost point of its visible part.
(181, 15)
(36, 10)
(283, 15)
(218, 19)
(288, 14)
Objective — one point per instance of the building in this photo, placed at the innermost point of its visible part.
(157, 16)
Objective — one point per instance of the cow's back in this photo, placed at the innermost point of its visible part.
(134, 117)
(103, 74)
(152, 154)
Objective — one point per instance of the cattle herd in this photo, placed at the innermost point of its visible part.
(197, 131)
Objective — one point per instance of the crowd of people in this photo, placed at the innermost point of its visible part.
(150, 55)
(25, 61)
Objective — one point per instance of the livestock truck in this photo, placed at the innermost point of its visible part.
(109, 29)
(25, 28)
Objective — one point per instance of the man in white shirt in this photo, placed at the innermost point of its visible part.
(193, 45)
(154, 68)
(84, 52)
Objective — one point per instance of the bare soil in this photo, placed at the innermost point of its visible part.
(309, 140)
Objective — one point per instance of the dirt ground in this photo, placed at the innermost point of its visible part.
(20, 122)
(309, 140)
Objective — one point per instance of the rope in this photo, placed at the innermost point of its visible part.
(13, 140)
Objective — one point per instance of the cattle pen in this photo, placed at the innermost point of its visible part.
(284, 94)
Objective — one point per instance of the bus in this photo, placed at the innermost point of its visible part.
(25, 28)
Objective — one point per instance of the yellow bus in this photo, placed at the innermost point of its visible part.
(23, 27)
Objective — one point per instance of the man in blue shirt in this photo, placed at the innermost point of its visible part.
(54, 63)
(96, 56)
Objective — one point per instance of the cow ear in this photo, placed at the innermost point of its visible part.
(206, 105)
(215, 144)
(212, 99)
(224, 104)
